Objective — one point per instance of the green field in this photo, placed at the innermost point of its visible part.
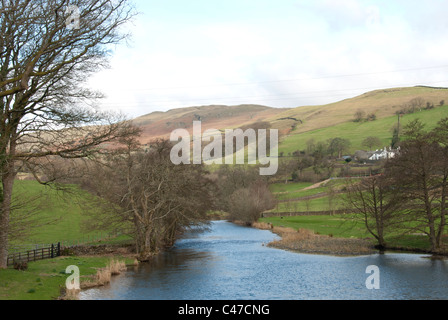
(293, 197)
(319, 204)
(44, 279)
(60, 213)
(357, 132)
(335, 225)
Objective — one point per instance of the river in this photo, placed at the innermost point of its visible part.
(231, 262)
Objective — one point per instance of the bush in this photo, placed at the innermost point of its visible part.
(67, 252)
(20, 265)
(248, 204)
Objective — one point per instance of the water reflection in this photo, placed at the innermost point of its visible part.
(231, 262)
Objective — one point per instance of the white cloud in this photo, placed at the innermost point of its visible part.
(281, 55)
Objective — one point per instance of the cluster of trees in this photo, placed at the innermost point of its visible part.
(360, 116)
(146, 194)
(417, 104)
(242, 193)
(155, 200)
(320, 156)
(411, 195)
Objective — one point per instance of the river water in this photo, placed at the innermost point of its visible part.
(230, 262)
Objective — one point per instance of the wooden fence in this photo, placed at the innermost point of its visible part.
(304, 214)
(53, 251)
(42, 252)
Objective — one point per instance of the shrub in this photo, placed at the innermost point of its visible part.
(67, 252)
(248, 204)
(20, 265)
(116, 267)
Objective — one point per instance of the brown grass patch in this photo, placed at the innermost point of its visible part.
(104, 275)
(71, 294)
(262, 225)
(116, 267)
(306, 241)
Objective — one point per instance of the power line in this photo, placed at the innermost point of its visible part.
(277, 97)
(291, 80)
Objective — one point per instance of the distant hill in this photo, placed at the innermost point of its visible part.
(161, 124)
(336, 120)
(298, 124)
(356, 132)
(382, 103)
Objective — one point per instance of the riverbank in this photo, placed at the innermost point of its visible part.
(306, 241)
(46, 279)
(121, 257)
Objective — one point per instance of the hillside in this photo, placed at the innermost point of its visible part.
(383, 103)
(161, 124)
(356, 132)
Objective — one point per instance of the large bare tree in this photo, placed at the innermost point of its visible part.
(145, 193)
(420, 172)
(48, 49)
(377, 204)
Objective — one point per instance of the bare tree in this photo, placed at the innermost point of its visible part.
(232, 178)
(359, 115)
(371, 142)
(44, 108)
(337, 146)
(420, 172)
(377, 204)
(148, 194)
(248, 204)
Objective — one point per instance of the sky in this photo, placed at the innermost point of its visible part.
(283, 54)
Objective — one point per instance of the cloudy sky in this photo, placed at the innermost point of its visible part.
(284, 53)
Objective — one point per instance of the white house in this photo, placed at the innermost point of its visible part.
(384, 154)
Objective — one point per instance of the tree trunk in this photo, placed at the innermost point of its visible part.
(442, 212)
(5, 210)
(146, 248)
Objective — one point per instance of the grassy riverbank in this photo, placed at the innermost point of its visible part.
(331, 234)
(334, 232)
(45, 280)
(307, 241)
(60, 218)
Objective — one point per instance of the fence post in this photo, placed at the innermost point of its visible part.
(52, 251)
(59, 249)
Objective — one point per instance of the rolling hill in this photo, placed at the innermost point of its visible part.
(161, 124)
(382, 103)
(297, 125)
